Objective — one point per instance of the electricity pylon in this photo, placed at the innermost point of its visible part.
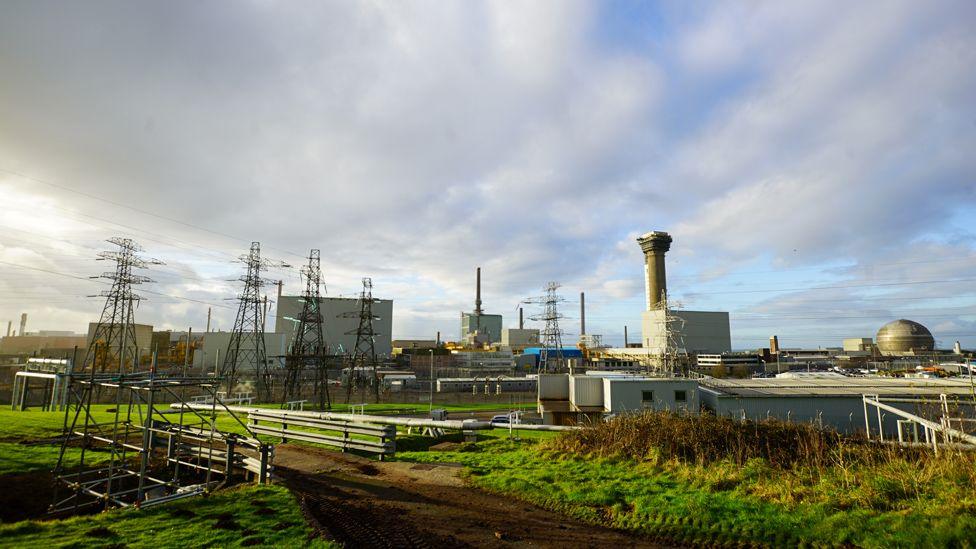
(114, 339)
(246, 345)
(364, 355)
(551, 354)
(308, 350)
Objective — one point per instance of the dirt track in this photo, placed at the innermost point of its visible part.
(364, 503)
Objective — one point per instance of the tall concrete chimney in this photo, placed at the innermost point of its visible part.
(521, 322)
(654, 245)
(625, 336)
(582, 314)
(477, 295)
(10, 324)
(23, 323)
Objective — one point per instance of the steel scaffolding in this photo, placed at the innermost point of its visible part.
(133, 454)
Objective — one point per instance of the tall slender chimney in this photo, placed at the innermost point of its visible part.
(23, 323)
(625, 336)
(521, 322)
(654, 245)
(477, 295)
(10, 324)
(582, 314)
(208, 319)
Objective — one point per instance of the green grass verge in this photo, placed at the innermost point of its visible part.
(237, 517)
(717, 503)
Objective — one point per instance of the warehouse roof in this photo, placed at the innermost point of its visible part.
(845, 386)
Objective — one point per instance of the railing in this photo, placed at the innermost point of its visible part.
(343, 434)
(909, 423)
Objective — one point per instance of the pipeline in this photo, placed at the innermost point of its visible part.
(452, 424)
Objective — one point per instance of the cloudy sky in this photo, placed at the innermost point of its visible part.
(814, 161)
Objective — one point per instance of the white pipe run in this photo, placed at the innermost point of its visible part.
(454, 424)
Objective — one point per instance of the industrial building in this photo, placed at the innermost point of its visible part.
(520, 338)
(828, 399)
(489, 385)
(478, 328)
(904, 337)
(215, 344)
(340, 319)
(565, 399)
(143, 332)
(43, 343)
(832, 400)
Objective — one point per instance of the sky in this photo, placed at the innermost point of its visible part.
(813, 161)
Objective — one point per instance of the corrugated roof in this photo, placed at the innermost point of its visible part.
(848, 386)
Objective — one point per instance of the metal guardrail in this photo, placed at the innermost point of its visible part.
(932, 430)
(336, 433)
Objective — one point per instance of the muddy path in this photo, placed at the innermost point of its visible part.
(364, 503)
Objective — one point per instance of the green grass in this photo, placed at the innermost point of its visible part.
(719, 501)
(36, 425)
(262, 515)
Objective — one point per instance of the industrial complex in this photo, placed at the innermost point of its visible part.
(682, 360)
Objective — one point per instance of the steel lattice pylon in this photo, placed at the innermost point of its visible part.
(551, 354)
(308, 351)
(114, 339)
(669, 363)
(364, 355)
(246, 346)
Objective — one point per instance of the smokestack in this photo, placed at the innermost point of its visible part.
(625, 336)
(208, 319)
(477, 298)
(23, 323)
(10, 324)
(521, 322)
(654, 245)
(438, 338)
(774, 345)
(582, 314)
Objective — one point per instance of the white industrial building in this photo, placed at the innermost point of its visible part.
(566, 399)
(520, 338)
(340, 321)
(699, 331)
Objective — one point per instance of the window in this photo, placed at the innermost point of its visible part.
(647, 396)
(680, 396)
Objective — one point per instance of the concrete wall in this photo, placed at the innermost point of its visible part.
(490, 325)
(624, 395)
(520, 338)
(336, 328)
(702, 331)
(215, 349)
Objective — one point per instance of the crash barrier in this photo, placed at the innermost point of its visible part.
(342, 434)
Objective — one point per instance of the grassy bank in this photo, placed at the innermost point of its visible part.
(769, 484)
(238, 517)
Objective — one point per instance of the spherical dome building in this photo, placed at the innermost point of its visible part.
(904, 336)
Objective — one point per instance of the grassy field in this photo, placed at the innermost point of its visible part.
(911, 500)
(237, 517)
